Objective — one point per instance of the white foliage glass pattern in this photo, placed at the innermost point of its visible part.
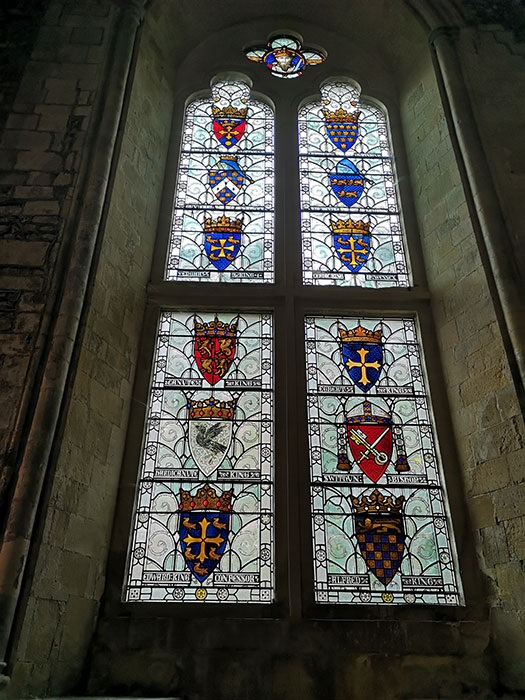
(368, 445)
(183, 452)
(377, 258)
(246, 164)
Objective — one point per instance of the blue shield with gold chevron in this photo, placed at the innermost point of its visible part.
(347, 182)
(352, 250)
(362, 352)
(227, 179)
(203, 529)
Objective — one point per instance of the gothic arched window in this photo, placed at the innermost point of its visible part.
(223, 501)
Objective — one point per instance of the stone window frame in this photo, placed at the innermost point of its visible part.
(289, 300)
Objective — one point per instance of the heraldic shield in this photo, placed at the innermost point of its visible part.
(380, 533)
(222, 240)
(227, 179)
(210, 432)
(352, 242)
(204, 528)
(370, 440)
(342, 127)
(229, 125)
(362, 355)
(215, 345)
(347, 182)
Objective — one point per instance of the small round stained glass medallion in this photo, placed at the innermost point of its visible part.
(284, 55)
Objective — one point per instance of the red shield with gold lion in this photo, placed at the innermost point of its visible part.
(215, 344)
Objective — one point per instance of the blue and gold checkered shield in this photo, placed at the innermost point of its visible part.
(380, 534)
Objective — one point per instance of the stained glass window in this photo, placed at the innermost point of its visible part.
(379, 510)
(223, 221)
(284, 55)
(350, 221)
(203, 526)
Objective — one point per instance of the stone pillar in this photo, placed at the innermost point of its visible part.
(494, 241)
(82, 227)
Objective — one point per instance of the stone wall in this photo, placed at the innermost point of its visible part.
(483, 404)
(64, 589)
(41, 155)
(409, 653)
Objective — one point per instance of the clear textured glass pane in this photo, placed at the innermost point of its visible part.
(350, 221)
(380, 520)
(223, 221)
(203, 526)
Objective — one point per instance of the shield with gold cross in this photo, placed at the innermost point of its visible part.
(380, 533)
(222, 240)
(342, 127)
(229, 124)
(362, 352)
(215, 345)
(204, 528)
(352, 242)
(370, 439)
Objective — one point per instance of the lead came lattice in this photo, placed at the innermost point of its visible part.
(379, 511)
(350, 222)
(203, 527)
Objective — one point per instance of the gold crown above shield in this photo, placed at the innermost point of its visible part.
(229, 112)
(215, 327)
(359, 228)
(211, 408)
(360, 334)
(378, 503)
(341, 116)
(206, 499)
(223, 224)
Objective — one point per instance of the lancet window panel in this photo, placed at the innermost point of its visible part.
(223, 215)
(350, 221)
(380, 521)
(203, 526)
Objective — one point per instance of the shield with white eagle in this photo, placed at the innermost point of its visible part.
(210, 432)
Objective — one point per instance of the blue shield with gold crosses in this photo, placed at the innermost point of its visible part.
(222, 248)
(362, 353)
(222, 240)
(203, 529)
(380, 533)
(353, 250)
(347, 182)
(227, 179)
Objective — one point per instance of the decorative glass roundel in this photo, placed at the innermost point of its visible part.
(284, 55)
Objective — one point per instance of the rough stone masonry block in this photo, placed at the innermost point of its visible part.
(23, 253)
(87, 35)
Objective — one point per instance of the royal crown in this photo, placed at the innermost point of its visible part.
(211, 408)
(360, 334)
(341, 116)
(215, 327)
(206, 499)
(378, 503)
(229, 112)
(358, 228)
(223, 225)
